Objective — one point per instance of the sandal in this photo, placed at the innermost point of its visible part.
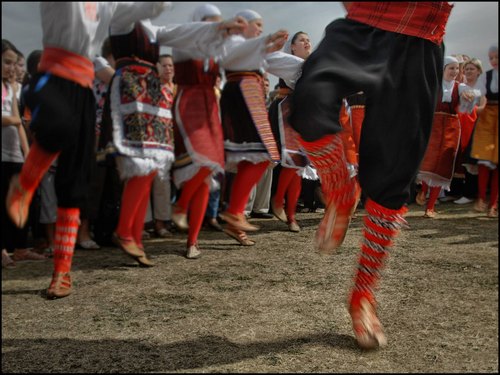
(332, 229)
(367, 327)
(18, 202)
(193, 252)
(493, 212)
(279, 212)
(87, 245)
(430, 214)
(239, 236)
(60, 286)
(420, 198)
(27, 254)
(128, 246)
(7, 261)
(238, 222)
(179, 218)
(144, 260)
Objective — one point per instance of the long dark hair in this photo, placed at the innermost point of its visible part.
(32, 65)
(6, 45)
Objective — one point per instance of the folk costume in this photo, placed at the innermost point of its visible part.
(394, 139)
(485, 144)
(437, 167)
(141, 116)
(294, 162)
(199, 143)
(249, 143)
(63, 116)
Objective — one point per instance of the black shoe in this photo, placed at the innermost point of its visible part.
(261, 215)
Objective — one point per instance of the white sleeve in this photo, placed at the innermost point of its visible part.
(243, 54)
(481, 83)
(126, 13)
(200, 36)
(285, 66)
(100, 63)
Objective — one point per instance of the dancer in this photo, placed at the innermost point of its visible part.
(248, 140)
(198, 133)
(294, 163)
(436, 171)
(485, 139)
(63, 117)
(393, 53)
(139, 117)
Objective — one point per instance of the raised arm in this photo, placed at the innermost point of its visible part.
(285, 66)
(204, 37)
(125, 14)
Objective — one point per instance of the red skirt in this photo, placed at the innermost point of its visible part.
(438, 164)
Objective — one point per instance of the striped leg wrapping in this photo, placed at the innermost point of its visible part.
(327, 156)
(381, 226)
(340, 190)
(68, 221)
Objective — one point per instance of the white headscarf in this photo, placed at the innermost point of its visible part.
(205, 10)
(449, 60)
(249, 15)
(448, 86)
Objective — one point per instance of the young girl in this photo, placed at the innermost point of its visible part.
(249, 143)
(436, 171)
(14, 150)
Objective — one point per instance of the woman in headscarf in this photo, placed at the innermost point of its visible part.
(294, 162)
(248, 140)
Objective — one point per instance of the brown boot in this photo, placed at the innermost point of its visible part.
(60, 285)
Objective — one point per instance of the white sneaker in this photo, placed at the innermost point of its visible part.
(463, 200)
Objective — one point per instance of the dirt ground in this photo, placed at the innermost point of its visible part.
(276, 307)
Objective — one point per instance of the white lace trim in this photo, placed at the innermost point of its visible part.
(232, 159)
(132, 167)
(433, 180)
(186, 173)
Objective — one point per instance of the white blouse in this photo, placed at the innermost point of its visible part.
(81, 27)
(481, 82)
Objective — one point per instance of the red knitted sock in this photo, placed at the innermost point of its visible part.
(292, 196)
(68, 221)
(482, 179)
(285, 177)
(133, 193)
(247, 177)
(35, 166)
(142, 207)
(381, 226)
(197, 213)
(494, 188)
(433, 196)
(192, 186)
